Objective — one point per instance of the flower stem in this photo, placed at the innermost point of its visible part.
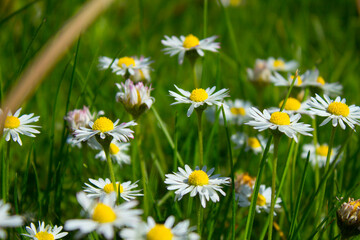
(322, 193)
(194, 74)
(111, 169)
(199, 217)
(273, 184)
(5, 173)
(201, 147)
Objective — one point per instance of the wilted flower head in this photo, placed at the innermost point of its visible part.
(260, 75)
(79, 118)
(135, 97)
(243, 179)
(348, 218)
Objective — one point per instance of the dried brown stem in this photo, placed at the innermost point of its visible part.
(50, 54)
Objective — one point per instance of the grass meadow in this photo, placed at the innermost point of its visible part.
(41, 178)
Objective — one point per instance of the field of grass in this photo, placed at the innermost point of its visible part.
(41, 178)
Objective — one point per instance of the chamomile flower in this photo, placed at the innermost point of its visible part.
(117, 153)
(260, 75)
(141, 74)
(156, 231)
(188, 44)
(104, 216)
(135, 97)
(125, 66)
(101, 188)
(80, 118)
(314, 79)
(196, 182)
(44, 233)
(237, 113)
(6, 220)
(200, 98)
(243, 179)
(255, 144)
(279, 80)
(318, 155)
(104, 127)
(281, 65)
(232, 3)
(293, 106)
(279, 121)
(336, 111)
(15, 125)
(263, 200)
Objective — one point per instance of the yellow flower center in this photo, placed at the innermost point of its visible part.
(109, 188)
(127, 61)
(198, 95)
(198, 178)
(12, 122)
(292, 104)
(280, 118)
(114, 149)
(238, 111)
(235, 2)
(338, 108)
(103, 213)
(159, 232)
(355, 204)
(320, 80)
(279, 63)
(299, 80)
(190, 41)
(103, 124)
(260, 201)
(246, 179)
(253, 142)
(323, 151)
(44, 236)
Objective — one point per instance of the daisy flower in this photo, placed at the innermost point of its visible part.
(281, 65)
(196, 182)
(318, 155)
(314, 79)
(104, 127)
(348, 218)
(155, 231)
(243, 179)
(141, 74)
(80, 118)
(237, 112)
(117, 153)
(200, 98)
(101, 188)
(260, 75)
(44, 233)
(232, 3)
(104, 216)
(6, 220)
(280, 81)
(263, 200)
(293, 106)
(125, 66)
(255, 144)
(14, 125)
(336, 111)
(135, 97)
(280, 121)
(187, 44)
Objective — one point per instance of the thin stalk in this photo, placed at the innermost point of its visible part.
(322, 194)
(200, 213)
(205, 16)
(273, 184)
(232, 177)
(200, 131)
(193, 63)
(5, 172)
(250, 219)
(111, 169)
